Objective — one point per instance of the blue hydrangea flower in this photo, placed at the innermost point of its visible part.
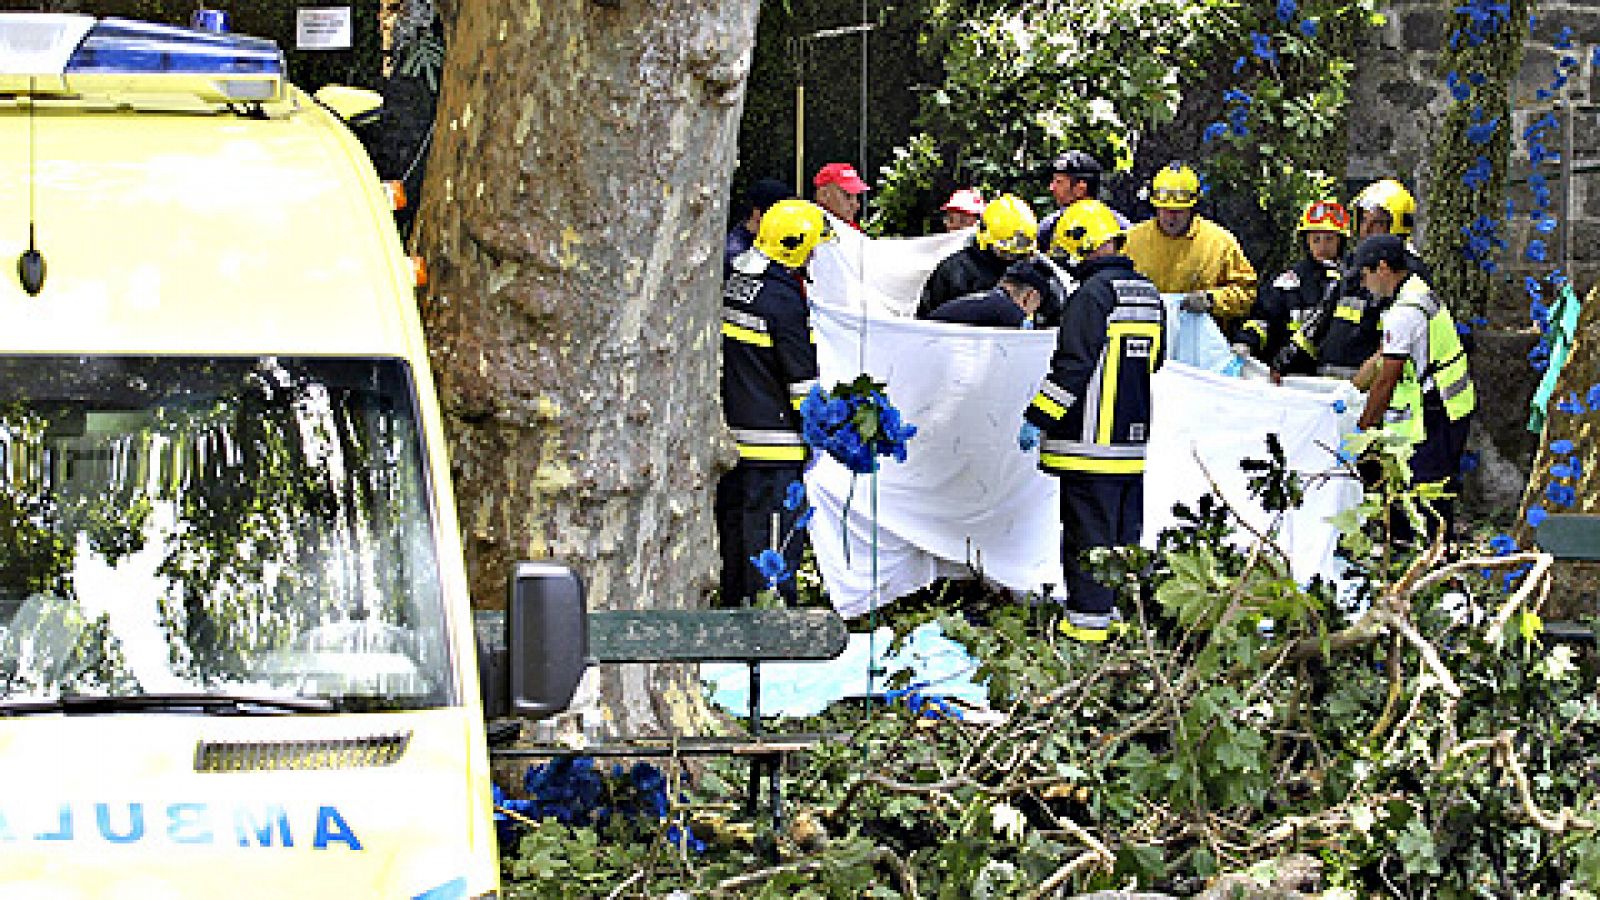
(1593, 396)
(681, 836)
(1482, 132)
(1286, 10)
(803, 521)
(1560, 470)
(1537, 251)
(772, 567)
(1478, 174)
(1234, 95)
(1308, 27)
(1214, 131)
(1537, 515)
(1576, 466)
(1563, 38)
(1561, 494)
(794, 494)
(1238, 65)
(1561, 447)
(1261, 46)
(1545, 225)
(1502, 545)
(1469, 462)
(1459, 89)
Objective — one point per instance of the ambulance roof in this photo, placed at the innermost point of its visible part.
(195, 227)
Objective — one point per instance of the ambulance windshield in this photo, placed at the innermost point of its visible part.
(250, 526)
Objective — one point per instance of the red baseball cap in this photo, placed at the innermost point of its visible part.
(842, 174)
(965, 200)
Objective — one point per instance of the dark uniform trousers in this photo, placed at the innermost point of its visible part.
(1097, 511)
(1438, 458)
(749, 499)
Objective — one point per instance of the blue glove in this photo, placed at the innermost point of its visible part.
(1028, 437)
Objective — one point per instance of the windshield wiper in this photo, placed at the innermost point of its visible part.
(199, 704)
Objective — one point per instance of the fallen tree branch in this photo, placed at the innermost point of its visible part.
(1505, 751)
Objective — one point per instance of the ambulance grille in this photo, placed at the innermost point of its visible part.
(331, 753)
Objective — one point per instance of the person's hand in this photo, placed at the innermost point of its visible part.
(1028, 437)
(1197, 301)
(1275, 376)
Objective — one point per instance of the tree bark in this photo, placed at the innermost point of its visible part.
(572, 221)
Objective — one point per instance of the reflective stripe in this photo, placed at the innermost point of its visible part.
(1451, 391)
(1101, 621)
(745, 335)
(1048, 406)
(1338, 371)
(1348, 313)
(1258, 328)
(1094, 466)
(1086, 635)
(760, 453)
(744, 319)
(767, 436)
(1053, 400)
(1092, 451)
(801, 388)
(1300, 340)
(1115, 335)
(1135, 314)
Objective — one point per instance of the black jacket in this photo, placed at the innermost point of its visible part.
(1285, 304)
(1343, 333)
(993, 308)
(966, 271)
(1094, 405)
(768, 361)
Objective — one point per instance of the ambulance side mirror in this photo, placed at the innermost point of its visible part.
(546, 640)
(357, 106)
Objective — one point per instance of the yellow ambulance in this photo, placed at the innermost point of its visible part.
(236, 648)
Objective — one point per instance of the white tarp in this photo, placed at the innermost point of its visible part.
(967, 496)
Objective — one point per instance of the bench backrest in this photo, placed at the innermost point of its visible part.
(1570, 536)
(719, 635)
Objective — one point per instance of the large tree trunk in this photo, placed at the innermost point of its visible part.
(572, 221)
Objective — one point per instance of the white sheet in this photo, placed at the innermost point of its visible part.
(966, 495)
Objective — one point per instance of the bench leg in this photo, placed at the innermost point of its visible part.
(775, 792)
(752, 797)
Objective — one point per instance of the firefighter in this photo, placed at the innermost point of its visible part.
(1012, 303)
(1284, 305)
(1186, 253)
(1337, 341)
(1074, 175)
(1093, 407)
(769, 364)
(1423, 388)
(1007, 232)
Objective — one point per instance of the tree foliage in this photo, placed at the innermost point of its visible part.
(1399, 736)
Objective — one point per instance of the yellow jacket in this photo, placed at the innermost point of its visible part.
(1206, 258)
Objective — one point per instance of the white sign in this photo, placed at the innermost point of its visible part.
(322, 28)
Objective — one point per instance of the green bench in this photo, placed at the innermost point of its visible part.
(1570, 537)
(750, 636)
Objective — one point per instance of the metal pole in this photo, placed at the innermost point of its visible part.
(800, 118)
(861, 153)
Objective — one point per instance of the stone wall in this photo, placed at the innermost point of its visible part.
(1398, 102)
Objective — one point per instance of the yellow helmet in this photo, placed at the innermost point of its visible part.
(1325, 215)
(1082, 228)
(1176, 186)
(1392, 197)
(791, 230)
(1008, 228)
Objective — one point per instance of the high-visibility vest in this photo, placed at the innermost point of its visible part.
(1446, 375)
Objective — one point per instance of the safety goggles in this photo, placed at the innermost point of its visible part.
(1173, 197)
(1328, 214)
(1018, 244)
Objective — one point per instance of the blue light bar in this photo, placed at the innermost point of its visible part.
(123, 46)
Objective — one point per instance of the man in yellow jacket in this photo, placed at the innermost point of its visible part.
(1186, 253)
